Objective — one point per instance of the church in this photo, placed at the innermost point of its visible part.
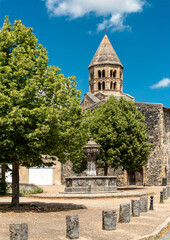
(105, 79)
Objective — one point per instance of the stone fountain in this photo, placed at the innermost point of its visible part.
(91, 183)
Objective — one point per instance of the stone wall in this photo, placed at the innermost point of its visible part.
(119, 173)
(167, 140)
(155, 166)
(67, 171)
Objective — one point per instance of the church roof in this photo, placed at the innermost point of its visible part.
(105, 54)
(93, 98)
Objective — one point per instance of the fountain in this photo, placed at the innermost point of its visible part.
(91, 183)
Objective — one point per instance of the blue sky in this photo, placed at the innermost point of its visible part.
(72, 30)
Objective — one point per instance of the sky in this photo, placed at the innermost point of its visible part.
(71, 31)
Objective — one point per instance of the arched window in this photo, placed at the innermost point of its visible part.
(111, 72)
(99, 86)
(103, 73)
(103, 85)
(114, 74)
(99, 74)
(115, 84)
(111, 85)
(120, 74)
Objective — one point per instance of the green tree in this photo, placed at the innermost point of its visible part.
(40, 109)
(118, 127)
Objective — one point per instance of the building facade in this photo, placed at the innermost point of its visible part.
(105, 79)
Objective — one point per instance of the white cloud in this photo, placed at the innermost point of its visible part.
(115, 22)
(113, 11)
(165, 82)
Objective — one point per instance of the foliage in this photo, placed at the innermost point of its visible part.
(40, 109)
(118, 127)
(25, 189)
(79, 160)
(31, 191)
(3, 186)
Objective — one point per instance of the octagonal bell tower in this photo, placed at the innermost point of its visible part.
(105, 70)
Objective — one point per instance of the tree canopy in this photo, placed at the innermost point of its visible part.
(40, 109)
(118, 127)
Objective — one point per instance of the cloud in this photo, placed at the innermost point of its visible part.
(165, 82)
(113, 12)
(115, 22)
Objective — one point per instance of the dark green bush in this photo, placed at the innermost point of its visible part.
(3, 186)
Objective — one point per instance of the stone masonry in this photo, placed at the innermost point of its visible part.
(158, 130)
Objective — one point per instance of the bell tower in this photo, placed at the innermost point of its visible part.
(105, 70)
(105, 77)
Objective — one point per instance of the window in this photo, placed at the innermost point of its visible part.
(114, 74)
(99, 74)
(111, 72)
(120, 74)
(111, 85)
(99, 86)
(103, 85)
(115, 84)
(103, 73)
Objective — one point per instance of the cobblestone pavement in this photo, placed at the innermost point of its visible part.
(52, 225)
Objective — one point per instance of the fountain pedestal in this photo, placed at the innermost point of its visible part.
(90, 183)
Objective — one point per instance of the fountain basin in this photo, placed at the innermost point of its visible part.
(90, 184)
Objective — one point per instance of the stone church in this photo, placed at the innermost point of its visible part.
(105, 79)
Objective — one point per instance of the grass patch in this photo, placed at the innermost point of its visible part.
(31, 191)
(26, 189)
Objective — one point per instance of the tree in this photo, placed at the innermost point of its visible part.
(40, 109)
(118, 127)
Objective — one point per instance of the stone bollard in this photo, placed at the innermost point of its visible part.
(124, 213)
(165, 195)
(18, 231)
(143, 204)
(151, 203)
(168, 191)
(135, 204)
(161, 197)
(109, 219)
(72, 226)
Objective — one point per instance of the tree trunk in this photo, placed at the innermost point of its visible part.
(3, 171)
(15, 184)
(105, 170)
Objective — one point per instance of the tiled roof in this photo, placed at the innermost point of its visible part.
(105, 54)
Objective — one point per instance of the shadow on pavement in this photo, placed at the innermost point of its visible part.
(40, 207)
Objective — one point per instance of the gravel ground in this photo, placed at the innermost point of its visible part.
(52, 225)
